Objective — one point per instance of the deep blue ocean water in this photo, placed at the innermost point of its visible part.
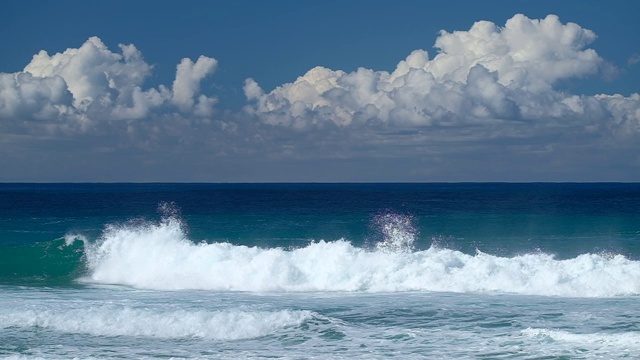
(297, 271)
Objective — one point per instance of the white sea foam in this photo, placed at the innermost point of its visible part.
(69, 239)
(159, 256)
(127, 321)
(621, 340)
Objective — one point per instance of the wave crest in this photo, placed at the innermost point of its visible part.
(127, 321)
(160, 256)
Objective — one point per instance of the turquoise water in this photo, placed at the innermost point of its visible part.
(319, 271)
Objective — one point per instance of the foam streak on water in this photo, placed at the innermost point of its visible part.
(126, 321)
(627, 340)
(107, 322)
(159, 256)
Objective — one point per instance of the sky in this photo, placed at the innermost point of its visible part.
(330, 91)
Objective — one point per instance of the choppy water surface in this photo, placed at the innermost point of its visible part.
(119, 322)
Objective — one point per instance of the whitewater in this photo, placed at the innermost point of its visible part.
(297, 271)
(161, 257)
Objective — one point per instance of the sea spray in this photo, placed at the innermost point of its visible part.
(397, 230)
(70, 239)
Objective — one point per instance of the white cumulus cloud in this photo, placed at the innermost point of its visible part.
(490, 103)
(477, 77)
(188, 77)
(89, 84)
(25, 95)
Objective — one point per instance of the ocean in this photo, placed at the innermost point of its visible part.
(320, 271)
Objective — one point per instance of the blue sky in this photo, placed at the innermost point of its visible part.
(240, 114)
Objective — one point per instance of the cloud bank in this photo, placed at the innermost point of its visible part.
(484, 76)
(488, 104)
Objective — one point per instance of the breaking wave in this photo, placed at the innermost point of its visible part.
(160, 256)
